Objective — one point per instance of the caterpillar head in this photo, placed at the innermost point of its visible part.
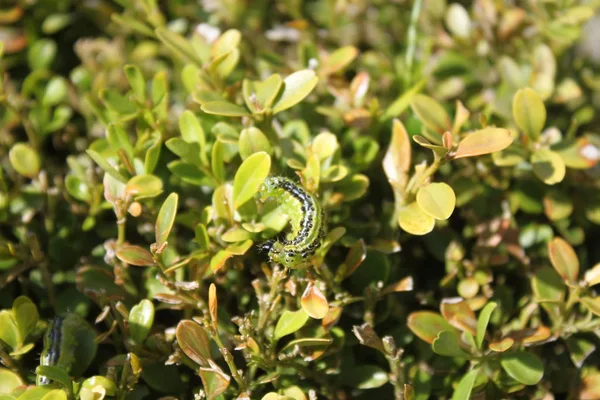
(266, 246)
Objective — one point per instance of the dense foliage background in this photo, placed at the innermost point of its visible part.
(453, 146)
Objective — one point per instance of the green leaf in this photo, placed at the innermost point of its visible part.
(25, 314)
(165, 219)
(103, 163)
(224, 108)
(194, 341)
(523, 367)
(215, 382)
(414, 220)
(366, 377)
(141, 319)
(431, 113)
(447, 344)
(261, 95)
(188, 151)
(152, 155)
(135, 255)
(9, 331)
(353, 187)
(100, 381)
(592, 304)
(55, 373)
(136, 81)
(483, 141)
(437, 200)
(427, 325)
(179, 45)
(465, 386)
(548, 166)
(217, 161)
(192, 132)
(339, 59)
(251, 141)
(41, 54)
(402, 102)
(142, 186)
(249, 176)
(529, 112)
(563, 259)
(483, 321)
(295, 88)
(56, 92)
(579, 350)
(547, 285)
(24, 160)
(55, 394)
(118, 139)
(117, 103)
(290, 322)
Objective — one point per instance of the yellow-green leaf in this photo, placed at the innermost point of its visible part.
(483, 141)
(437, 200)
(296, 87)
(24, 160)
(224, 108)
(166, 218)
(144, 186)
(431, 113)
(290, 322)
(414, 220)
(529, 112)
(249, 176)
(563, 259)
(548, 166)
(251, 141)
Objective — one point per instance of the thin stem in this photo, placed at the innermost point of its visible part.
(416, 184)
(412, 41)
(230, 363)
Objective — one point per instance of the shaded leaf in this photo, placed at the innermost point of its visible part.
(447, 344)
(523, 366)
(548, 166)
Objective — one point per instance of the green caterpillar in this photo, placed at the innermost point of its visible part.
(306, 219)
(68, 344)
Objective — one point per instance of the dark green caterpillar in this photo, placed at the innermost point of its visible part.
(306, 219)
(68, 344)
